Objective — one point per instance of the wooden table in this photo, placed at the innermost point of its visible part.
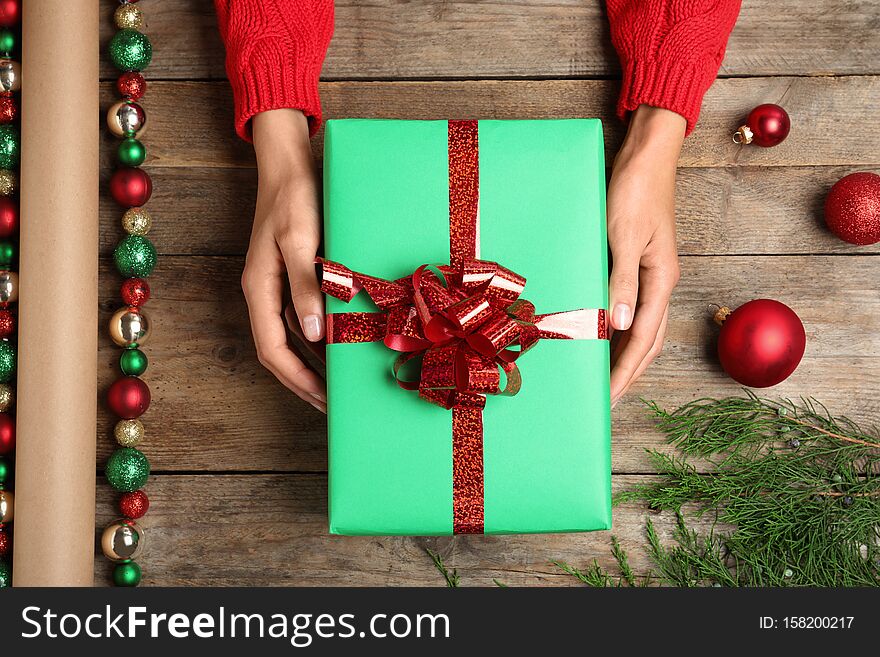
(238, 489)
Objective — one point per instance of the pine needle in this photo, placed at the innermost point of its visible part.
(452, 579)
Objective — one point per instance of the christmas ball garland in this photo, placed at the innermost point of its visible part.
(10, 84)
(128, 469)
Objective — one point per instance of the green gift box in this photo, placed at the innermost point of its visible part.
(546, 464)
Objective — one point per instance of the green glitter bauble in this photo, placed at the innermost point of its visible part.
(7, 361)
(127, 574)
(7, 253)
(5, 470)
(7, 41)
(135, 257)
(8, 146)
(127, 469)
(133, 362)
(131, 152)
(130, 50)
(5, 574)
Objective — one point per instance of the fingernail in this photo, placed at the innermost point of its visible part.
(622, 316)
(321, 398)
(311, 325)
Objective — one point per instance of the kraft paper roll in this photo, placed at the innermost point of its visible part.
(58, 302)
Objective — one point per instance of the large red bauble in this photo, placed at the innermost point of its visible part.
(7, 434)
(852, 209)
(769, 124)
(10, 13)
(131, 85)
(128, 397)
(131, 187)
(134, 505)
(761, 343)
(8, 217)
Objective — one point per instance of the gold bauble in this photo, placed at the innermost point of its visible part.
(7, 397)
(128, 433)
(123, 540)
(128, 326)
(8, 287)
(126, 118)
(137, 221)
(10, 75)
(7, 506)
(129, 17)
(8, 182)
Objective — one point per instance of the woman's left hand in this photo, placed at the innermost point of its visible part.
(641, 234)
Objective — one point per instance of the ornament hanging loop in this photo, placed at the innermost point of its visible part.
(743, 135)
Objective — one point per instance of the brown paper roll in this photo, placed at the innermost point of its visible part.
(58, 303)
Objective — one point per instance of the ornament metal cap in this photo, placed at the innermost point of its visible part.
(720, 313)
(743, 135)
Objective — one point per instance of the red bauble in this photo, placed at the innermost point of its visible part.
(128, 397)
(5, 544)
(131, 187)
(135, 291)
(8, 109)
(10, 13)
(134, 505)
(7, 434)
(8, 217)
(852, 209)
(766, 125)
(131, 85)
(7, 324)
(761, 343)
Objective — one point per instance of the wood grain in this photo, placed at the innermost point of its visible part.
(271, 530)
(190, 123)
(552, 38)
(734, 210)
(216, 409)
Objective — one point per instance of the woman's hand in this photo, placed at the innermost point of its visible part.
(284, 241)
(641, 233)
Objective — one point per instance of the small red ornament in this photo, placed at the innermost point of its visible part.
(10, 13)
(760, 343)
(128, 397)
(134, 505)
(766, 125)
(852, 209)
(8, 217)
(7, 434)
(7, 324)
(131, 85)
(5, 543)
(131, 187)
(8, 109)
(135, 291)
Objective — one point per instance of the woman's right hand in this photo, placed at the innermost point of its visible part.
(284, 241)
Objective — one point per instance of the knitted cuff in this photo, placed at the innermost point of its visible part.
(266, 77)
(675, 85)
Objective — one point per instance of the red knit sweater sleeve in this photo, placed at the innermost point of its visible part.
(274, 53)
(670, 51)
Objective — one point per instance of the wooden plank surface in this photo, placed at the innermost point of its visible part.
(734, 210)
(190, 123)
(271, 530)
(216, 409)
(509, 38)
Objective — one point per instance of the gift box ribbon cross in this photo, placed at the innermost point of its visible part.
(461, 326)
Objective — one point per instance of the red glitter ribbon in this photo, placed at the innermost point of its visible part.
(463, 323)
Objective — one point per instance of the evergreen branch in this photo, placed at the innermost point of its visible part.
(452, 579)
(594, 576)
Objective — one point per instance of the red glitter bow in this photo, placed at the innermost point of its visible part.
(464, 321)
